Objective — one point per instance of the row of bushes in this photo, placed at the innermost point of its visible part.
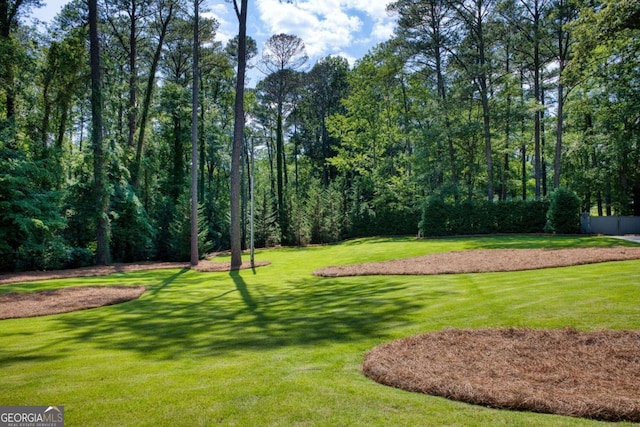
(559, 214)
(396, 221)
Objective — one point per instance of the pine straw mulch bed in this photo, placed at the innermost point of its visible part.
(30, 304)
(566, 372)
(105, 270)
(484, 260)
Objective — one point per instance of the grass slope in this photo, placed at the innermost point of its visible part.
(279, 347)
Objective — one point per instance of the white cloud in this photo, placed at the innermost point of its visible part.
(327, 27)
(383, 22)
(375, 9)
(383, 31)
(223, 13)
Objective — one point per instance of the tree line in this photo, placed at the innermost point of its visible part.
(470, 101)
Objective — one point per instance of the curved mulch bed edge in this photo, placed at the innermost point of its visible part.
(31, 304)
(99, 270)
(581, 374)
(484, 260)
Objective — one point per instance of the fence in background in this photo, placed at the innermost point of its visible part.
(609, 225)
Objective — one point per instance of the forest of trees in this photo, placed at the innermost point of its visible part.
(471, 101)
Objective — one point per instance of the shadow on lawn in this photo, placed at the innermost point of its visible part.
(213, 315)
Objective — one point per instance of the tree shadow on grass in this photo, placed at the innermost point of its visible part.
(216, 315)
(8, 359)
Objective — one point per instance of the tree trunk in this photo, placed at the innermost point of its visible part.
(62, 125)
(559, 131)
(137, 166)
(442, 94)
(568, 12)
(99, 176)
(487, 138)
(537, 89)
(482, 82)
(8, 13)
(133, 76)
(523, 148)
(507, 132)
(238, 135)
(280, 172)
(194, 136)
(46, 114)
(543, 144)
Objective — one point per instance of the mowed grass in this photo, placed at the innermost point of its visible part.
(280, 347)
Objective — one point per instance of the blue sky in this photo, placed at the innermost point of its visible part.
(347, 28)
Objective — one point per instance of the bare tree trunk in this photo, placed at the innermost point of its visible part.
(507, 135)
(46, 113)
(8, 14)
(486, 120)
(559, 129)
(194, 136)
(536, 134)
(137, 166)
(132, 112)
(280, 166)
(442, 94)
(238, 135)
(568, 11)
(523, 149)
(538, 94)
(100, 192)
(486, 110)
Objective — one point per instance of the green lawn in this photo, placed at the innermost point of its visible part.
(280, 347)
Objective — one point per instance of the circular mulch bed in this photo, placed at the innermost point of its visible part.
(30, 304)
(567, 372)
(485, 260)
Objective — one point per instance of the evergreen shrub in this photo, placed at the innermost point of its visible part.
(436, 218)
(563, 215)
(132, 235)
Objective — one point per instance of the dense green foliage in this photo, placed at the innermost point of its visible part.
(282, 347)
(440, 218)
(490, 105)
(564, 212)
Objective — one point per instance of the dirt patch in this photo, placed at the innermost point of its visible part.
(567, 372)
(30, 304)
(484, 260)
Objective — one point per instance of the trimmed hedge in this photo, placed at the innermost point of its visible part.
(399, 221)
(440, 218)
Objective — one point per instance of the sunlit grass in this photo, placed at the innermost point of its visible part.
(281, 347)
